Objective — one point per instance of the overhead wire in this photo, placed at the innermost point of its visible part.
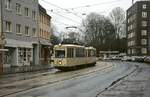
(74, 13)
(63, 16)
(96, 4)
(62, 8)
(61, 23)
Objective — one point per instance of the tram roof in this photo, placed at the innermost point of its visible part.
(68, 45)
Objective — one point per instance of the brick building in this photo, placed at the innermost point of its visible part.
(138, 28)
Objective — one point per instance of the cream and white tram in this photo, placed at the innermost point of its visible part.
(70, 56)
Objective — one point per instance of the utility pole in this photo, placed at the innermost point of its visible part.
(1, 39)
(132, 2)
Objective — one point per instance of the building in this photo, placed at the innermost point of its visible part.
(44, 35)
(20, 27)
(138, 28)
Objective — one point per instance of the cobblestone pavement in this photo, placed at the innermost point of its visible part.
(135, 85)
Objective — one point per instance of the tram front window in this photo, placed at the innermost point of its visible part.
(60, 54)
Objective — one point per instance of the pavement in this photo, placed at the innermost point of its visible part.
(135, 85)
(25, 81)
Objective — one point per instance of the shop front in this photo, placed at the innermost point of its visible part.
(45, 53)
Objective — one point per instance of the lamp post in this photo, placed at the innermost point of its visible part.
(1, 38)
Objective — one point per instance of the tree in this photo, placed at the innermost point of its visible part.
(55, 39)
(117, 17)
(98, 32)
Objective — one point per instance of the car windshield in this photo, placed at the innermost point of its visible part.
(59, 54)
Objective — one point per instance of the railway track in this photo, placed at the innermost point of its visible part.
(49, 80)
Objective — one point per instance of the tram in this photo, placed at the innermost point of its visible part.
(71, 57)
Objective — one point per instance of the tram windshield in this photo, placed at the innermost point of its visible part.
(59, 54)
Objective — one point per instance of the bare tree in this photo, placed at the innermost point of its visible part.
(55, 37)
(117, 17)
(98, 31)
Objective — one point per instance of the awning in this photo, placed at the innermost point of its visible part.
(15, 43)
(3, 50)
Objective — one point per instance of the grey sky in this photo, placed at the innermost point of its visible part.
(76, 10)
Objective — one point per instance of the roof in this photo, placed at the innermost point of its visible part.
(43, 10)
(68, 45)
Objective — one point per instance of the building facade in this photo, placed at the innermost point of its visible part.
(138, 28)
(20, 28)
(44, 36)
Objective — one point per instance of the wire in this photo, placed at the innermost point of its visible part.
(61, 23)
(61, 8)
(97, 4)
(63, 16)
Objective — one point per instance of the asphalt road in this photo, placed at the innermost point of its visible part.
(87, 85)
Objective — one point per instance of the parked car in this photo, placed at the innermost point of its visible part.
(147, 59)
(126, 58)
(139, 58)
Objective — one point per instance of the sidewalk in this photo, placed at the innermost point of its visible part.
(135, 85)
(22, 69)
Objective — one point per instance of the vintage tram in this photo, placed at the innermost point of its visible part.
(71, 57)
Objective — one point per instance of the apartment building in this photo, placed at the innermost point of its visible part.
(44, 35)
(20, 28)
(138, 28)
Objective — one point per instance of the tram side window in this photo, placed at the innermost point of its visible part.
(60, 54)
(80, 52)
(93, 53)
(89, 53)
(70, 53)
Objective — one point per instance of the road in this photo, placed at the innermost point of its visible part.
(81, 83)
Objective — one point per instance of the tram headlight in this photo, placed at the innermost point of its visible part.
(60, 62)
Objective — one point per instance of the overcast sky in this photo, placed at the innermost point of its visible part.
(71, 12)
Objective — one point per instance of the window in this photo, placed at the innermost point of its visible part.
(33, 15)
(70, 52)
(144, 6)
(144, 32)
(144, 23)
(144, 50)
(8, 4)
(26, 12)
(133, 51)
(18, 8)
(24, 55)
(143, 41)
(18, 28)
(59, 54)
(40, 34)
(129, 51)
(27, 30)
(144, 14)
(34, 0)
(8, 26)
(33, 32)
(80, 52)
